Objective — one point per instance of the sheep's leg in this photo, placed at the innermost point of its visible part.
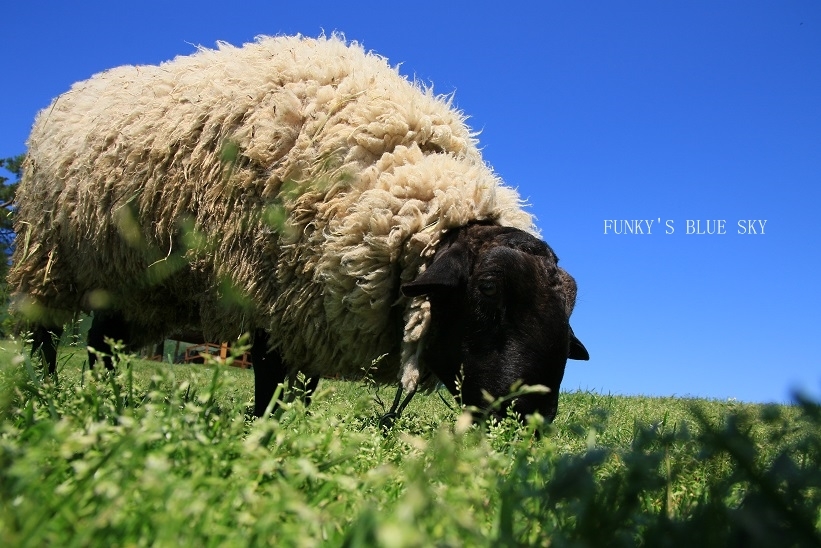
(106, 324)
(399, 405)
(310, 387)
(269, 372)
(304, 389)
(44, 341)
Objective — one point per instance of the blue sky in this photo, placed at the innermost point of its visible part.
(595, 111)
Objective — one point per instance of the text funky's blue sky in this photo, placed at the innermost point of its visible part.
(595, 111)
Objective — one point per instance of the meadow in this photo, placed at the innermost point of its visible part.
(167, 455)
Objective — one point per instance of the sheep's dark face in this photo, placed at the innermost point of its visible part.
(499, 314)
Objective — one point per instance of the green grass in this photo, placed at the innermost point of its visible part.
(166, 455)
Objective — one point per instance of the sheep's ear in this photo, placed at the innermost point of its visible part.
(577, 351)
(448, 270)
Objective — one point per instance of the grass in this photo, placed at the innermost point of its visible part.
(166, 455)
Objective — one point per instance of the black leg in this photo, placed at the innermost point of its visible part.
(269, 371)
(310, 387)
(44, 341)
(159, 350)
(106, 324)
(399, 405)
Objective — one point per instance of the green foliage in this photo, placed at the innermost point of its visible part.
(166, 455)
(14, 166)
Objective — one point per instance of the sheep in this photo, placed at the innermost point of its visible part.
(305, 192)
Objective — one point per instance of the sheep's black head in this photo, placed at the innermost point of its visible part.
(499, 314)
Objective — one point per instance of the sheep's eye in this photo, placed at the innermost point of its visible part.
(487, 287)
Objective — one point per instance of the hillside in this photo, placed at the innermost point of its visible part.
(165, 455)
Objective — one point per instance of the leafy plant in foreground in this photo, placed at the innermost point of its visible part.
(623, 496)
(162, 455)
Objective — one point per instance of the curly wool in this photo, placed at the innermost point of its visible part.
(316, 178)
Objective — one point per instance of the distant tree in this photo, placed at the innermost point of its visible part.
(7, 189)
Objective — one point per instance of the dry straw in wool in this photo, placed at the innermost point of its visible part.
(305, 175)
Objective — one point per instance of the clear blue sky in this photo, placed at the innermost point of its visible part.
(595, 111)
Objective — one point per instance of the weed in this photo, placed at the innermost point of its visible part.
(155, 454)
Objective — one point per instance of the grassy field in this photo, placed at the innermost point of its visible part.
(165, 455)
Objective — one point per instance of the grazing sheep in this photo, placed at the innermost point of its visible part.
(301, 190)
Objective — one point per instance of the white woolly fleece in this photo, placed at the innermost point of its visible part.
(316, 179)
